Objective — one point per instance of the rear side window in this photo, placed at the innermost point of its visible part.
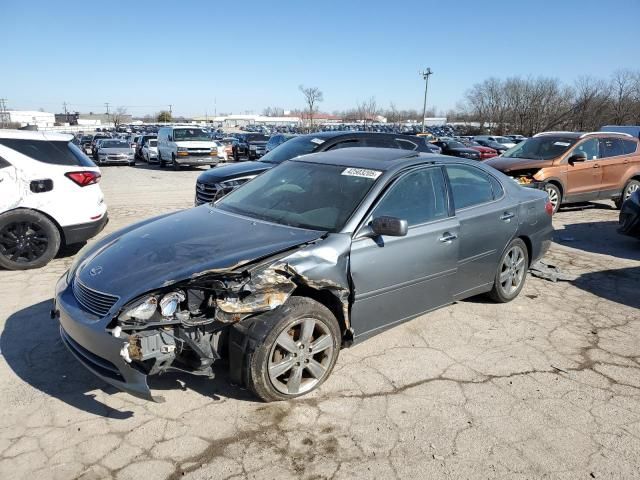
(381, 142)
(406, 144)
(348, 144)
(51, 152)
(629, 146)
(471, 186)
(610, 147)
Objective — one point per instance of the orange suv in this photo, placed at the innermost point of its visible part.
(575, 167)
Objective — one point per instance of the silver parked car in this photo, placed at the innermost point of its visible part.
(115, 151)
(315, 254)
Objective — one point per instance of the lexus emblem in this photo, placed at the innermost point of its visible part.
(95, 271)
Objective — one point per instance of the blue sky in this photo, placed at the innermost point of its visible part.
(248, 54)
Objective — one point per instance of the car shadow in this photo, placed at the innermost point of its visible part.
(617, 285)
(31, 346)
(598, 237)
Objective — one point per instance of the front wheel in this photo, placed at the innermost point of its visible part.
(28, 240)
(555, 196)
(296, 352)
(160, 161)
(511, 273)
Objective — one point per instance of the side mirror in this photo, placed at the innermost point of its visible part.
(577, 157)
(391, 226)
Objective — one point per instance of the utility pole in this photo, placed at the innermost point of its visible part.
(3, 111)
(66, 113)
(170, 110)
(107, 105)
(425, 75)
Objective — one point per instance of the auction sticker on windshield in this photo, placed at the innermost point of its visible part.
(361, 172)
(562, 144)
(317, 141)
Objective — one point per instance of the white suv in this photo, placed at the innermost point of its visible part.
(49, 196)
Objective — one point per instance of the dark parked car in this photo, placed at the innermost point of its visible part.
(219, 181)
(250, 145)
(276, 140)
(318, 253)
(630, 214)
(457, 149)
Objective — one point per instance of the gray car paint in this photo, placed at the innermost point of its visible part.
(377, 281)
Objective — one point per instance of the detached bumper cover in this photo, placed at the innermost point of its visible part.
(85, 336)
(84, 231)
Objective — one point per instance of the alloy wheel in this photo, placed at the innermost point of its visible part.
(512, 270)
(300, 356)
(23, 241)
(553, 197)
(633, 187)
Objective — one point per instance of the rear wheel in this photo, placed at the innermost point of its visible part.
(174, 163)
(555, 196)
(160, 161)
(631, 187)
(28, 239)
(511, 272)
(296, 353)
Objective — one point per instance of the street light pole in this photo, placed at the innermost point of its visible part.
(425, 74)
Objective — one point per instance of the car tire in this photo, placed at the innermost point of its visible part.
(629, 188)
(31, 232)
(511, 273)
(267, 375)
(160, 161)
(174, 164)
(555, 195)
(132, 164)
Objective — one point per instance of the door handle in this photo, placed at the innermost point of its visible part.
(447, 237)
(595, 165)
(507, 216)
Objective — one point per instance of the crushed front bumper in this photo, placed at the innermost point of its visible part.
(86, 337)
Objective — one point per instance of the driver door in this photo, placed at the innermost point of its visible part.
(398, 278)
(585, 178)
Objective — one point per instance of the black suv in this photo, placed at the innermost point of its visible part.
(250, 145)
(219, 181)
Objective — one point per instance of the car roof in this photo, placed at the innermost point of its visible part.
(382, 159)
(35, 135)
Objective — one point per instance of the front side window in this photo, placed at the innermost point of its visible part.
(610, 147)
(470, 186)
(589, 148)
(305, 195)
(406, 144)
(417, 197)
(52, 152)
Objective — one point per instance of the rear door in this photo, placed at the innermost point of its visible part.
(614, 162)
(488, 221)
(584, 179)
(397, 278)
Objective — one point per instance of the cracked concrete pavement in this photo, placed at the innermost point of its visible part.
(547, 386)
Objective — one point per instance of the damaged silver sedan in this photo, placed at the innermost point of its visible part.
(312, 256)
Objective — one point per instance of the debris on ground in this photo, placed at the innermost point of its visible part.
(549, 272)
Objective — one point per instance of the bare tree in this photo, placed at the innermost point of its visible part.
(312, 96)
(273, 112)
(118, 116)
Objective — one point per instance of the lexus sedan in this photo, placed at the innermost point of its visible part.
(314, 255)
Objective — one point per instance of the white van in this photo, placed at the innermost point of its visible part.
(186, 146)
(49, 197)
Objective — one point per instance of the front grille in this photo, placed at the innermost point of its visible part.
(205, 193)
(91, 300)
(198, 152)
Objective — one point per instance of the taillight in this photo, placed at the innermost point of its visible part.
(548, 207)
(83, 178)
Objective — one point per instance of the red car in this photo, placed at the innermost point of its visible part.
(485, 152)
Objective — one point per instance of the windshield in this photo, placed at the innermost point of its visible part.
(292, 148)
(454, 145)
(113, 144)
(504, 140)
(304, 195)
(190, 135)
(540, 148)
(153, 143)
(256, 138)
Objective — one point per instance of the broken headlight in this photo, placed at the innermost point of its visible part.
(267, 289)
(146, 307)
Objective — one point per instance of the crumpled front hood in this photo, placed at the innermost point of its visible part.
(507, 164)
(183, 245)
